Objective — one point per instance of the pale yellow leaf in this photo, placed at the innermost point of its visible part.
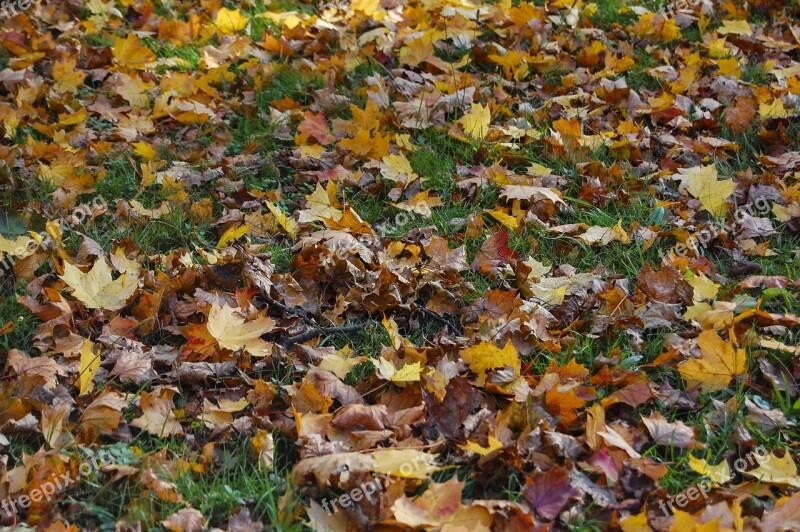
(287, 222)
(229, 21)
(702, 184)
(735, 27)
(475, 122)
(321, 205)
(89, 364)
(408, 373)
(774, 470)
(720, 473)
(97, 288)
(233, 332)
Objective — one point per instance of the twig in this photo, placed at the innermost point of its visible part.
(441, 319)
(313, 333)
(296, 311)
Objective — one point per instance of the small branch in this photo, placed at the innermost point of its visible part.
(295, 311)
(313, 333)
(441, 319)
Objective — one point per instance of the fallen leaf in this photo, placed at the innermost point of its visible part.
(232, 331)
(718, 364)
(97, 288)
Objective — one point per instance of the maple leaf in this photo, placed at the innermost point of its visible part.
(704, 288)
(494, 444)
(676, 434)
(775, 470)
(702, 184)
(157, 414)
(408, 373)
(232, 331)
(321, 205)
(229, 21)
(735, 27)
(130, 52)
(263, 446)
(717, 366)
(486, 355)
(475, 122)
(288, 224)
(89, 364)
(720, 473)
(549, 492)
(341, 362)
(97, 288)
(185, 519)
(315, 125)
(395, 461)
(16, 247)
(420, 203)
(493, 254)
(232, 234)
(605, 235)
(440, 507)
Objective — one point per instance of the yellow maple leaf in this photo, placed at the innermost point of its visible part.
(494, 444)
(97, 288)
(229, 21)
(420, 203)
(720, 473)
(341, 362)
(774, 470)
(232, 331)
(232, 233)
(717, 366)
(505, 219)
(487, 355)
(131, 53)
(144, 149)
(67, 78)
(404, 463)
(396, 167)
(635, 523)
(475, 122)
(701, 182)
(775, 109)
(729, 67)
(18, 247)
(704, 288)
(287, 222)
(89, 364)
(321, 205)
(735, 27)
(408, 373)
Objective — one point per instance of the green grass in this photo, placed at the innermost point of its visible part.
(24, 322)
(234, 481)
(611, 13)
(637, 78)
(189, 54)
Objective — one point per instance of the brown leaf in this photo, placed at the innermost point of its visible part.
(549, 492)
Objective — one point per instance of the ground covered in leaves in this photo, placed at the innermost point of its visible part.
(399, 264)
